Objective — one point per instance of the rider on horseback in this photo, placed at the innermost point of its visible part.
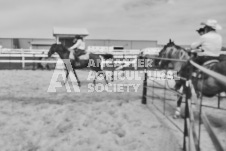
(77, 49)
(209, 44)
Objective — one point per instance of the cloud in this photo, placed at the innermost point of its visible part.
(112, 19)
(137, 4)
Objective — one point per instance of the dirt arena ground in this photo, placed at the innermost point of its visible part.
(32, 119)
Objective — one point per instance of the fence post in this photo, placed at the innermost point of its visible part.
(23, 58)
(186, 90)
(153, 83)
(200, 112)
(144, 97)
(33, 62)
(123, 58)
(164, 105)
(219, 98)
(113, 70)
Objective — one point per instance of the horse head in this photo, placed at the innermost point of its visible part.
(52, 50)
(164, 53)
(56, 48)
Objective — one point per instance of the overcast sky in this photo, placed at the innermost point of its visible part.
(112, 19)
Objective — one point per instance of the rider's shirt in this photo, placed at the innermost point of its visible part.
(79, 45)
(210, 42)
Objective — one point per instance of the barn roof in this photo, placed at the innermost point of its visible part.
(69, 32)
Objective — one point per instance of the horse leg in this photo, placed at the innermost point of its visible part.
(105, 77)
(79, 84)
(47, 67)
(177, 113)
(112, 76)
(94, 80)
(67, 73)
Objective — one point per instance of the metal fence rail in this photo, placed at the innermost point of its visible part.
(204, 118)
(211, 73)
(191, 138)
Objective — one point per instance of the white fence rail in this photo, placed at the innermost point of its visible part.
(27, 51)
(35, 56)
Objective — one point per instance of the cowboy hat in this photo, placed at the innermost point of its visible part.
(212, 23)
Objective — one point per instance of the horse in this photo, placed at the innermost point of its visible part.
(84, 61)
(203, 84)
(44, 65)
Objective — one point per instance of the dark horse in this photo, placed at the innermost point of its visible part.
(63, 52)
(206, 85)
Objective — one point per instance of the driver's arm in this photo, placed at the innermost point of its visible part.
(197, 44)
(75, 45)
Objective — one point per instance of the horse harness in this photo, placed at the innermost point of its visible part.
(209, 65)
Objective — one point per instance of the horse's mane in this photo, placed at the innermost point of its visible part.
(174, 45)
(179, 47)
(63, 48)
(179, 50)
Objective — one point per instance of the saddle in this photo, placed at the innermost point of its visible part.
(80, 56)
(84, 56)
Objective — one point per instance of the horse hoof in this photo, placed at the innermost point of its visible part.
(176, 116)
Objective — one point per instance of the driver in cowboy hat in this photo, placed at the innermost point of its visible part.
(209, 44)
(78, 48)
(201, 31)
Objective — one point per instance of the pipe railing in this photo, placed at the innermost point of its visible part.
(191, 139)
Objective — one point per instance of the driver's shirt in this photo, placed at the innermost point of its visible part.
(79, 45)
(210, 42)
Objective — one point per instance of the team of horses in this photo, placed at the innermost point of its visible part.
(206, 85)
